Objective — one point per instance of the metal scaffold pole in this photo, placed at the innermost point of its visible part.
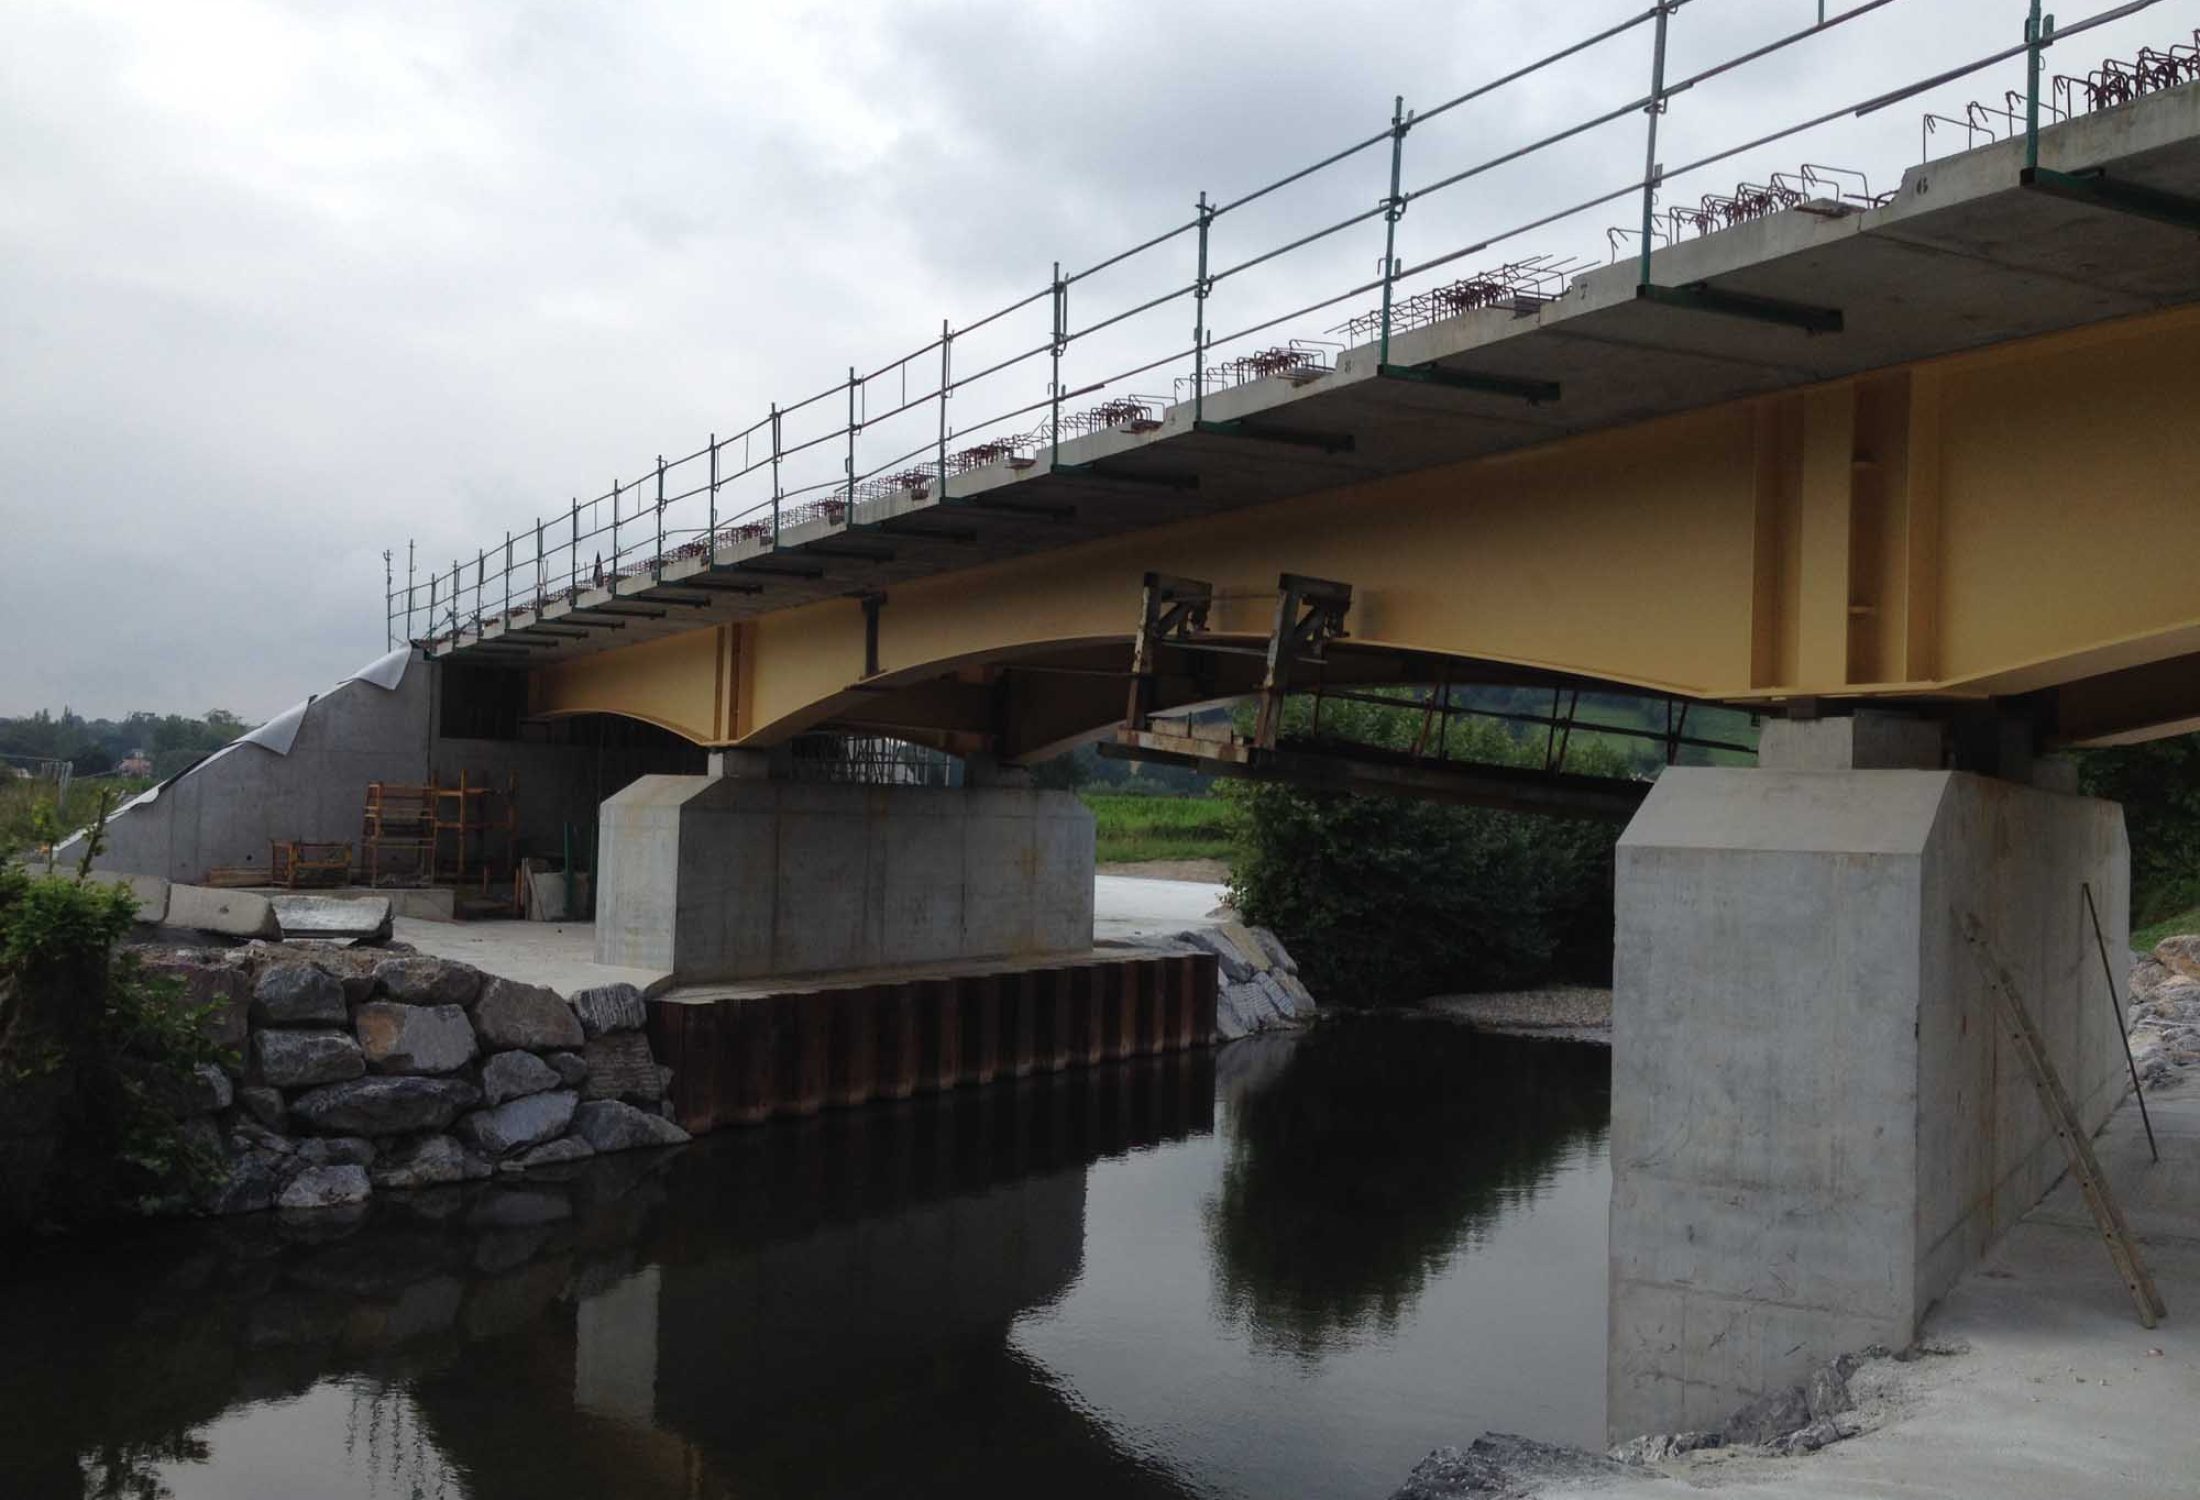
(947, 371)
(1394, 208)
(1654, 109)
(1200, 288)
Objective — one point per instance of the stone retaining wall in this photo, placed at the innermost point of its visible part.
(362, 1069)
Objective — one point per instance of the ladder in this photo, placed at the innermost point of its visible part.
(2084, 1166)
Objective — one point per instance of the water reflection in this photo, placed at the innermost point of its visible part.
(1368, 1162)
(1072, 1284)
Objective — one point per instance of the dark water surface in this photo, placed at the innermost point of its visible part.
(1285, 1269)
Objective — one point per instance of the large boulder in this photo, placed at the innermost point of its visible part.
(2180, 954)
(510, 1014)
(515, 1075)
(428, 981)
(395, 1105)
(297, 994)
(336, 1151)
(430, 1161)
(222, 988)
(301, 1059)
(399, 1038)
(608, 1125)
(563, 1150)
(609, 1007)
(518, 1123)
(251, 1183)
(325, 1187)
(620, 1067)
(353, 968)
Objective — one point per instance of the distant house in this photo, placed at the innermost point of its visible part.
(136, 763)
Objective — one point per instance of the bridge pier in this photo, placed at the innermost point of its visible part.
(744, 874)
(1816, 1122)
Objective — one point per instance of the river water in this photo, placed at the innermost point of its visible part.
(1288, 1268)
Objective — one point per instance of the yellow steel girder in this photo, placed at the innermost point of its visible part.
(1997, 522)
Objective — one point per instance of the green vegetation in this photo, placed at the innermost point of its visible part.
(1387, 900)
(1138, 826)
(2143, 939)
(93, 746)
(2159, 785)
(32, 815)
(33, 749)
(94, 1056)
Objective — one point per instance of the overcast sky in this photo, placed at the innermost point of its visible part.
(286, 284)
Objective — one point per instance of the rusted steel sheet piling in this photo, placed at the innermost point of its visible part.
(739, 1059)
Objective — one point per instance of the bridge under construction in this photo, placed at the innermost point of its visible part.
(1912, 476)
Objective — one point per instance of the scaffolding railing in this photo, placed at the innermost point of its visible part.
(1068, 358)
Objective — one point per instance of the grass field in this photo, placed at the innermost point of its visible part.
(2145, 938)
(1134, 826)
(19, 798)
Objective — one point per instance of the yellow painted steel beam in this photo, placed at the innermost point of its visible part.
(2000, 522)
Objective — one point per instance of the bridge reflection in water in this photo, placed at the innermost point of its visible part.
(1076, 1283)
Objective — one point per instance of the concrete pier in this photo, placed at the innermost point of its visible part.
(1817, 1125)
(735, 877)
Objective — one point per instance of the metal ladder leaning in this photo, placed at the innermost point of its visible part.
(2077, 1148)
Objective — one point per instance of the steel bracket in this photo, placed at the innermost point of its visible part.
(1702, 297)
(2096, 189)
(1534, 392)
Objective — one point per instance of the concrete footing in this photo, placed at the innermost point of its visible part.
(731, 877)
(1817, 1124)
(739, 1059)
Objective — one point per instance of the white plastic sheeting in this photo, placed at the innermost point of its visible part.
(281, 732)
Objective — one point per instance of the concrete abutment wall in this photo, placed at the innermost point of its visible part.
(1817, 1123)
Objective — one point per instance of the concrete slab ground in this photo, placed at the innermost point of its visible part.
(1126, 906)
(562, 955)
(2058, 1391)
(558, 955)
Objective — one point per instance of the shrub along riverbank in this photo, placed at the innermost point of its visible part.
(1386, 900)
(94, 1056)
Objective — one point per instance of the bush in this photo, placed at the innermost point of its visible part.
(2159, 785)
(1385, 900)
(93, 1056)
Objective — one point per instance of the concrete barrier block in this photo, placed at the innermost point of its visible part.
(229, 913)
(332, 917)
(151, 892)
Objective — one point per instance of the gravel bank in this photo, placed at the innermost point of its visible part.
(1579, 1013)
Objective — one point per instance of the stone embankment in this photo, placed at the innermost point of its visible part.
(1260, 988)
(2165, 1011)
(365, 1069)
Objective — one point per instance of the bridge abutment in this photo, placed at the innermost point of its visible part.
(1817, 1124)
(740, 876)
